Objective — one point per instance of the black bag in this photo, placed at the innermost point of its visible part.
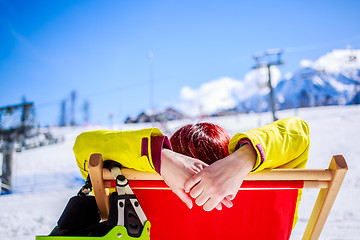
(80, 213)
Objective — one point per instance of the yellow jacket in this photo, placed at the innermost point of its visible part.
(130, 148)
(281, 144)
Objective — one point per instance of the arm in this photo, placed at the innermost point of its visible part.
(133, 149)
(176, 169)
(140, 150)
(222, 179)
(283, 143)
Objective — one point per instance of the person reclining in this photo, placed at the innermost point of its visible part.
(281, 144)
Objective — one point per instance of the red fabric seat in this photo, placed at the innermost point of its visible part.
(256, 214)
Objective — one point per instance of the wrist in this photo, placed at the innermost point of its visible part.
(164, 160)
(158, 143)
(247, 156)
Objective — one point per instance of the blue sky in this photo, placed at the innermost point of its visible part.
(100, 48)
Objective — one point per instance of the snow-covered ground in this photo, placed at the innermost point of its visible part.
(45, 178)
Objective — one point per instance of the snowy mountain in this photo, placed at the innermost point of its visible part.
(333, 79)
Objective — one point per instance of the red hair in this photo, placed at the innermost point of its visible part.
(204, 141)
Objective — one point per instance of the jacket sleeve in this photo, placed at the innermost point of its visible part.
(281, 144)
(140, 149)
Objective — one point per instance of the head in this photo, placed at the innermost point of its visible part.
(204, 141)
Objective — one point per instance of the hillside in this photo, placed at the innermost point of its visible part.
(46, 177)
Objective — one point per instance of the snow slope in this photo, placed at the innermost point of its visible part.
(46, 177)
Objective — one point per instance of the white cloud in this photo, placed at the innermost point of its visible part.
(305, 63)
(226, 93)
(187, 93)
(339, 61)
(344, 61)
(211, 97)
(288, 75)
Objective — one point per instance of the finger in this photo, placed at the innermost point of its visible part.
(212, 203)
(192, 182)
(230, 197)
(196, 191)
(184, 197)
(227, 203)
(202, 199)
(219, 207)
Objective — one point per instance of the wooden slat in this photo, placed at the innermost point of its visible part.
(307, 185)
(274, 174)
(96, 176)
(326, 199)
(291, 174)
(315, 184)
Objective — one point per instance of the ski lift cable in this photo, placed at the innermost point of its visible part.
(303, 48)
(321, 45)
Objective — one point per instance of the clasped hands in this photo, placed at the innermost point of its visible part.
(210, 185)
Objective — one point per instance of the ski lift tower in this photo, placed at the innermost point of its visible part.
(9, 136)
(267, 59)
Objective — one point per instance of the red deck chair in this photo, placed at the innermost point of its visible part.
(263, 208)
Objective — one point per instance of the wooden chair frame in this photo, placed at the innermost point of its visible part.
(327, 180)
